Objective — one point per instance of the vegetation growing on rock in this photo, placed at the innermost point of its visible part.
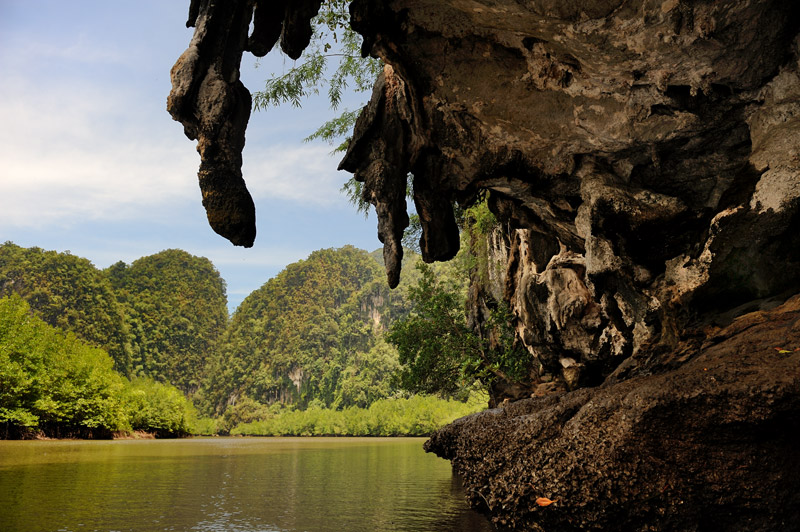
(294, 339)
(310, 338)
(176, 310)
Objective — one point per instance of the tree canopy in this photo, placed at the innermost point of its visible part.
(68, 292)
(176, 309)
(52, 381)
(440, 351)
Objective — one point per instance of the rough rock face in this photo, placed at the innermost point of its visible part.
(213, 105)
(709, 446)
(643, 157)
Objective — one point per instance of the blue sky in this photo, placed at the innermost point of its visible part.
(91, 162)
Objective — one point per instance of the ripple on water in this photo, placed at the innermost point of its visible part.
(231, 484)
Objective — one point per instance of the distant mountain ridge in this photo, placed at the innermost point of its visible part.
(313, 334)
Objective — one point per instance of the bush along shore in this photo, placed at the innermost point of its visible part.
(54, 385)
(415, 416)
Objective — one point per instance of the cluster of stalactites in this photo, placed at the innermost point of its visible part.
(287, 20)
(213, 105)
(388, 145)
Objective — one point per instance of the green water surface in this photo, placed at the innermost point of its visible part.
(230, 484)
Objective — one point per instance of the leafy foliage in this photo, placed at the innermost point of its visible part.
(368, 376)
(414, 416)
(68, 292)
(311, 338)
(439, 352)
(158, 408)
(332, 63)
(52, 381)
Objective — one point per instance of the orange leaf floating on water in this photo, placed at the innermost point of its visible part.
(544, 501)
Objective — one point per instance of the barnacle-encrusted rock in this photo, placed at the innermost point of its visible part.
(708, 446)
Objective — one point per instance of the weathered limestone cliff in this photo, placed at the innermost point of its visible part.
(644, 158)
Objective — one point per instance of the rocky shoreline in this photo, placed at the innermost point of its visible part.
(711, 445)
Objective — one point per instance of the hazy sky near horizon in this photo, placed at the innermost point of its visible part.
(91, 162)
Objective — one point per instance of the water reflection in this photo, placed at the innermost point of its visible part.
(231, 484)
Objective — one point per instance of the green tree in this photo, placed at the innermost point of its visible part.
(439, 351)
(331, 63)
(55, 383)
(52, 381)
(158, 408)
(367, 377)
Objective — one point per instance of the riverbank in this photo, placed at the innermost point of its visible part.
(408, 417)
(708, 445)
(77, 434)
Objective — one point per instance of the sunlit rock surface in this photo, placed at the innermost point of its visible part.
(643, 157)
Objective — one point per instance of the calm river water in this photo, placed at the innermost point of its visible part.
(231, 484)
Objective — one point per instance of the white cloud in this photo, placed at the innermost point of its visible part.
(21, 51)
(303, 173)
(78, 152)
(84, 154)
(80, 50)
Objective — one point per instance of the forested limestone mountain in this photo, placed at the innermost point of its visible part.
(312, 333)
(176, 310)
(160, 317)
(311, 336)
(68, 292)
